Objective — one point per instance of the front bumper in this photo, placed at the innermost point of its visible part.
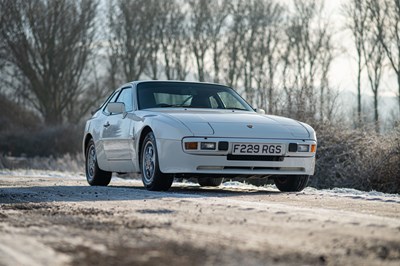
(173, 159)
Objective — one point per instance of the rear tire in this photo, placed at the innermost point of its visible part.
(291, 183)
(94, 175)
(153, 179)
(210, 182)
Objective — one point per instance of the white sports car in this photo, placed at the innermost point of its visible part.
(167, 129)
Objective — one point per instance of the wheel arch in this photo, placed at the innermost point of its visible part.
(88, 137)
(146, 130)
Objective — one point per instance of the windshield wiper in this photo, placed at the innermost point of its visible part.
(236, 108)
(163, 105)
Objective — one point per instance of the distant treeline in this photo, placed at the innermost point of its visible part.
(277, 55)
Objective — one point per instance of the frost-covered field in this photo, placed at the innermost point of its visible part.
(41, 173)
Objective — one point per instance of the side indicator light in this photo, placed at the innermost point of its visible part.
(313, 148)
(191, 145)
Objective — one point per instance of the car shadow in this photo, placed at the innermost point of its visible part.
(37, 194)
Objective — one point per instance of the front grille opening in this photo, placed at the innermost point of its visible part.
(266, 158)
(251, 168)
(237, 168)
(211, 168)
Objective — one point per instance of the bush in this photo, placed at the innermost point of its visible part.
(16, 116)
(65, 163)
(360, 159)
(49, 141)
(26, 135)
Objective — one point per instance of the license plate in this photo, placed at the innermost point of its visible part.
(257, 149)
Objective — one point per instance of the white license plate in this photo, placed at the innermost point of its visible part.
(257, 149)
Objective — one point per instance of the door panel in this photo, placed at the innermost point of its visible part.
(117, 138)
(117, 135)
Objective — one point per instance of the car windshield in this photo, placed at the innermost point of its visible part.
(189, 95)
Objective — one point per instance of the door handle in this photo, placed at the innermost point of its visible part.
(106, 124)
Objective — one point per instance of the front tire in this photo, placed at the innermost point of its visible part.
(94, 175)
(210, 182)
(291, 183)
(153, 179)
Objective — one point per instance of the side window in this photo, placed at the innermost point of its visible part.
(230, 101)
(214, 103)
(126, 97)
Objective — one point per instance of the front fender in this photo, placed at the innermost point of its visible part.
(310, 130)
(165, 127)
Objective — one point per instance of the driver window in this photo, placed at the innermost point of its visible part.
(126, 97)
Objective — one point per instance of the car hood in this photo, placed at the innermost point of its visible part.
(238, 124)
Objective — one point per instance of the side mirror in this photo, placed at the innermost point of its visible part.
(260, 111)
(117, 108)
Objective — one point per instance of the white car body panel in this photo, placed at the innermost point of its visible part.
(220, 122)
(117, 140)
(182, 162)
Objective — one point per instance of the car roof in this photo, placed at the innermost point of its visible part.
(136, 82)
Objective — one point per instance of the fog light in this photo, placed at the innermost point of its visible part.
(223, 145)
(303, 148)
(208, 145)
(191, 145)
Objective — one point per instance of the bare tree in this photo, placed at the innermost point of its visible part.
(200, 42)
(216, 26)
(49, 44)
(373, 50)
(152, 69)
(174, 40)
(253, 19)
(306, 63)
(389, 35)
(233, 56)
(3, 51)
(207, 20)
(131, 25)
(254, 41)
(267, 55)
(327, 97)
(355, 12)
